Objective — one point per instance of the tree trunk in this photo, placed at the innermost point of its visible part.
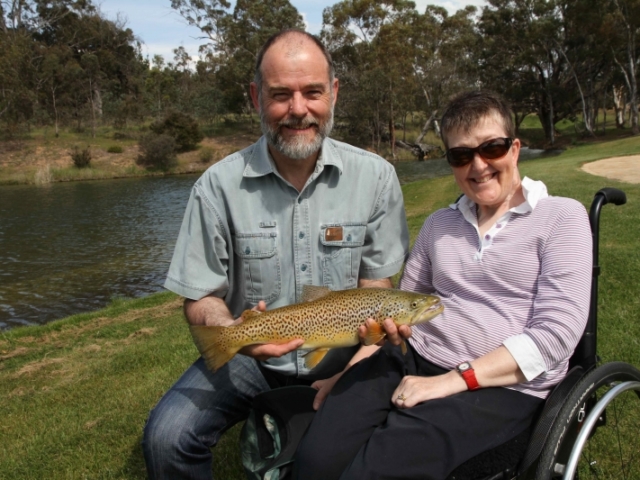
(619, 105)
(427, 125)
(55, 111)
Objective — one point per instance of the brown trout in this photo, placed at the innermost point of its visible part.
(325, 320)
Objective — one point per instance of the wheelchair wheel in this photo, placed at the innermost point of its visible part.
(612, 450)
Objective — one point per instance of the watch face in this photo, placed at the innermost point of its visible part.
(463, 367)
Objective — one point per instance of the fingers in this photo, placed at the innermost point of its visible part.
(260, 307)
(320, 397)
(269, 350)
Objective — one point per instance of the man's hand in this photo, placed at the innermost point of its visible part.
(396, 335)
(266, 351)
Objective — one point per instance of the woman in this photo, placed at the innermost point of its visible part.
(513, 267)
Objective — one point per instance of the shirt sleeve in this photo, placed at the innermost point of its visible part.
(417, 275)
(387, 238)
(200, 259)
(561, 304)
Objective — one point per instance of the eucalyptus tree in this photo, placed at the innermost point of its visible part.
(234, 38)
(371, 42)
(622, 26)
(445, 59)
(521, 55)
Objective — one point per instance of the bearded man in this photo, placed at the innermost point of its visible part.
(296, 208)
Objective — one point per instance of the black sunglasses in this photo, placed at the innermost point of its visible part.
(489, 150)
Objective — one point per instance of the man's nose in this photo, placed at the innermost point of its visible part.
(298, 105)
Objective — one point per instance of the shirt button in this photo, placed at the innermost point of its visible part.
(499, 225)
(487, 237)
(303, 267)
(300, 200)
(247, 251)
(301, 235)
(349, 238)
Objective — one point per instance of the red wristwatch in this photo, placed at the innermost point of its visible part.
(469, 375)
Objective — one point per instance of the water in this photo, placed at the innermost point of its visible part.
(72, 247)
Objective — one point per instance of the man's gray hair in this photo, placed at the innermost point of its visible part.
(291, 32)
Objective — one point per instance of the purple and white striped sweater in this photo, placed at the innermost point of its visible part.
(525, 285)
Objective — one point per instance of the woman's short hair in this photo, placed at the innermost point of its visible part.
(467, 109)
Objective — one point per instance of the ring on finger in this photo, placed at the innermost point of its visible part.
(401, 397)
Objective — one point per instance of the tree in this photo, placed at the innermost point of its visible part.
(622, 26)
(235, 38)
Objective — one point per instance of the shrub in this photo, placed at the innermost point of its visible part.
(121, 136)
(206, 154)
(182, 127)
(81, 158)
(114, 149)
(157, 151)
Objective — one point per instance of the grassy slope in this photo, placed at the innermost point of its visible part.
(75, 393)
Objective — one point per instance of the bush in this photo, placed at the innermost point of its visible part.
(121, 136)
(206, 154)
(182, 127)
(157, 151)
(81, 158)
(114, 149)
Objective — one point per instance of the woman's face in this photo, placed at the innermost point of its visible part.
(489, 183)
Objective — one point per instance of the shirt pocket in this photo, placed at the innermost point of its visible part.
(341, 254)
(260, 266)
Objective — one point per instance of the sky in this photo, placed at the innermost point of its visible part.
(161, 29)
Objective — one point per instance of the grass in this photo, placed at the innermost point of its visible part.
(76, 392)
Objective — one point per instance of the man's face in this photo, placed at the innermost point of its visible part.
(297, 100)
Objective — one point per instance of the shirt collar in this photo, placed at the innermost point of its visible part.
(260, 162)
(533, 191)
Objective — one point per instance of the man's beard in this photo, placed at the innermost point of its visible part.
(297, 147)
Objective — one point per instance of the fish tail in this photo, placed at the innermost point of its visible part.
(214, 345)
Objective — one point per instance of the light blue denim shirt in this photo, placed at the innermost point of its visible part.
(249, 235)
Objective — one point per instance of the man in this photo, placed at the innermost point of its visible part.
(294, 209)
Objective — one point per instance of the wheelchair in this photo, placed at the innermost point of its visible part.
(587, 427)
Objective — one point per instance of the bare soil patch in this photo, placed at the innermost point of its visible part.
(625, 169)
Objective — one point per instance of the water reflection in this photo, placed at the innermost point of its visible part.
(69, 248)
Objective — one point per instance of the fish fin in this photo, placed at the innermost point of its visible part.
(375, 333)
(314, 357)
(403, 347)
(212, 345)
(313, 292)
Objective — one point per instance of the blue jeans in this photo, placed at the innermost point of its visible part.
(194, 413)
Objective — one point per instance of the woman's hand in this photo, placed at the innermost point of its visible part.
(395, 334)
(324, 387)
(413, 390)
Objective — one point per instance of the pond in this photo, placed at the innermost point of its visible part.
(72, 247)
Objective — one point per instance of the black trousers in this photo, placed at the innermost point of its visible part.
(359, 434)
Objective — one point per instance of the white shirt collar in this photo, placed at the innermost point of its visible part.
(533, 191)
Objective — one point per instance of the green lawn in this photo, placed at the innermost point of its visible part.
(76, 393)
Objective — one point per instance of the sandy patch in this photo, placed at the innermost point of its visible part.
(624, 169)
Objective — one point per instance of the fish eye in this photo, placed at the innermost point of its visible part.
(414, 304)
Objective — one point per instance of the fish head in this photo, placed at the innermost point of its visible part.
(408, 308)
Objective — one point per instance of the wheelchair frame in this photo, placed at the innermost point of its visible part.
(577, 406)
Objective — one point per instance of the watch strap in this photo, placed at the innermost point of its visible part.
(469, 376)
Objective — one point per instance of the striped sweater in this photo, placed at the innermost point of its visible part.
(524, 285)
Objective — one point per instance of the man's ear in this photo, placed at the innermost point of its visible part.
(253, 90)
(336, 87)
